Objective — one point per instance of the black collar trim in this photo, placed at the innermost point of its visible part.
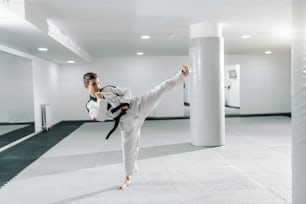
(91, 98)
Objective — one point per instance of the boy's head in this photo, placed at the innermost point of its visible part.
(91, 82)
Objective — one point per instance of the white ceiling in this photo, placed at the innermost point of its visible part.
(17, 33)
(106, 28)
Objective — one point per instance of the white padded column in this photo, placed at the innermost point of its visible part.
(299, 102)
(207, 85)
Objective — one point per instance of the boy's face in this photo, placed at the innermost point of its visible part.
(93, 86)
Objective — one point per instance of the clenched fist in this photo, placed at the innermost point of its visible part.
(99, 95)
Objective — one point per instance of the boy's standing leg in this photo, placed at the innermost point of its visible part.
(130, 149)
(130, 139)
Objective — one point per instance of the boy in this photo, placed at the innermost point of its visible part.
(129, 112)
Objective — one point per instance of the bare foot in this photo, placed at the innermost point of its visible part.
(186, 70)
(125, 184)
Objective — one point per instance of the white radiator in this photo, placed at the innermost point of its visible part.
(46, 116)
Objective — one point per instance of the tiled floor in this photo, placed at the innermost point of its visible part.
(252, 168)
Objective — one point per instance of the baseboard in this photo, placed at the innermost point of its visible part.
(188, 117)
(168, 118)
(235, 107)
(266, 114)
(148, 118)
(232, 115)
(17, 123)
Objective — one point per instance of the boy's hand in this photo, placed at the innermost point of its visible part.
(125, 107)
(99, 95)
(186, 70)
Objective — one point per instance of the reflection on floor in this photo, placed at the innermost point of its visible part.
(8, 128)
(11, 133)
(253, 167)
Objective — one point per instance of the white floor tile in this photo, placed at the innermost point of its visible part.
(253, 167)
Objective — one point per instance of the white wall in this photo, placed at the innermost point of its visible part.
(139, 73)
(265, 83)
(45, 85)
(16, 88)
(45, 81)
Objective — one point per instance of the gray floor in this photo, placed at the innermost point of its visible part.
(252, 168)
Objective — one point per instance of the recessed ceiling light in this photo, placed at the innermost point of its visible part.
(139, 53)
(145, 37)
(268, 52)
(43, 49)
(70, 61)
(245, 36)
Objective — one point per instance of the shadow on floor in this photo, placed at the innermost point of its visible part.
(88, 195)
(63, 164)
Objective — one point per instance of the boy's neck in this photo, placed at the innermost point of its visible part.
(93, 95)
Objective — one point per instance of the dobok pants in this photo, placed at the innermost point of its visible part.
(130, 123)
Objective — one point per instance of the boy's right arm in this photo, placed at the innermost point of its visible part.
(98, 112)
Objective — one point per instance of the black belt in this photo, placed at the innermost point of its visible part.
(117, 119)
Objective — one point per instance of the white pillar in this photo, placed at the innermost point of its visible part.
(299, 102)
(206, 85)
